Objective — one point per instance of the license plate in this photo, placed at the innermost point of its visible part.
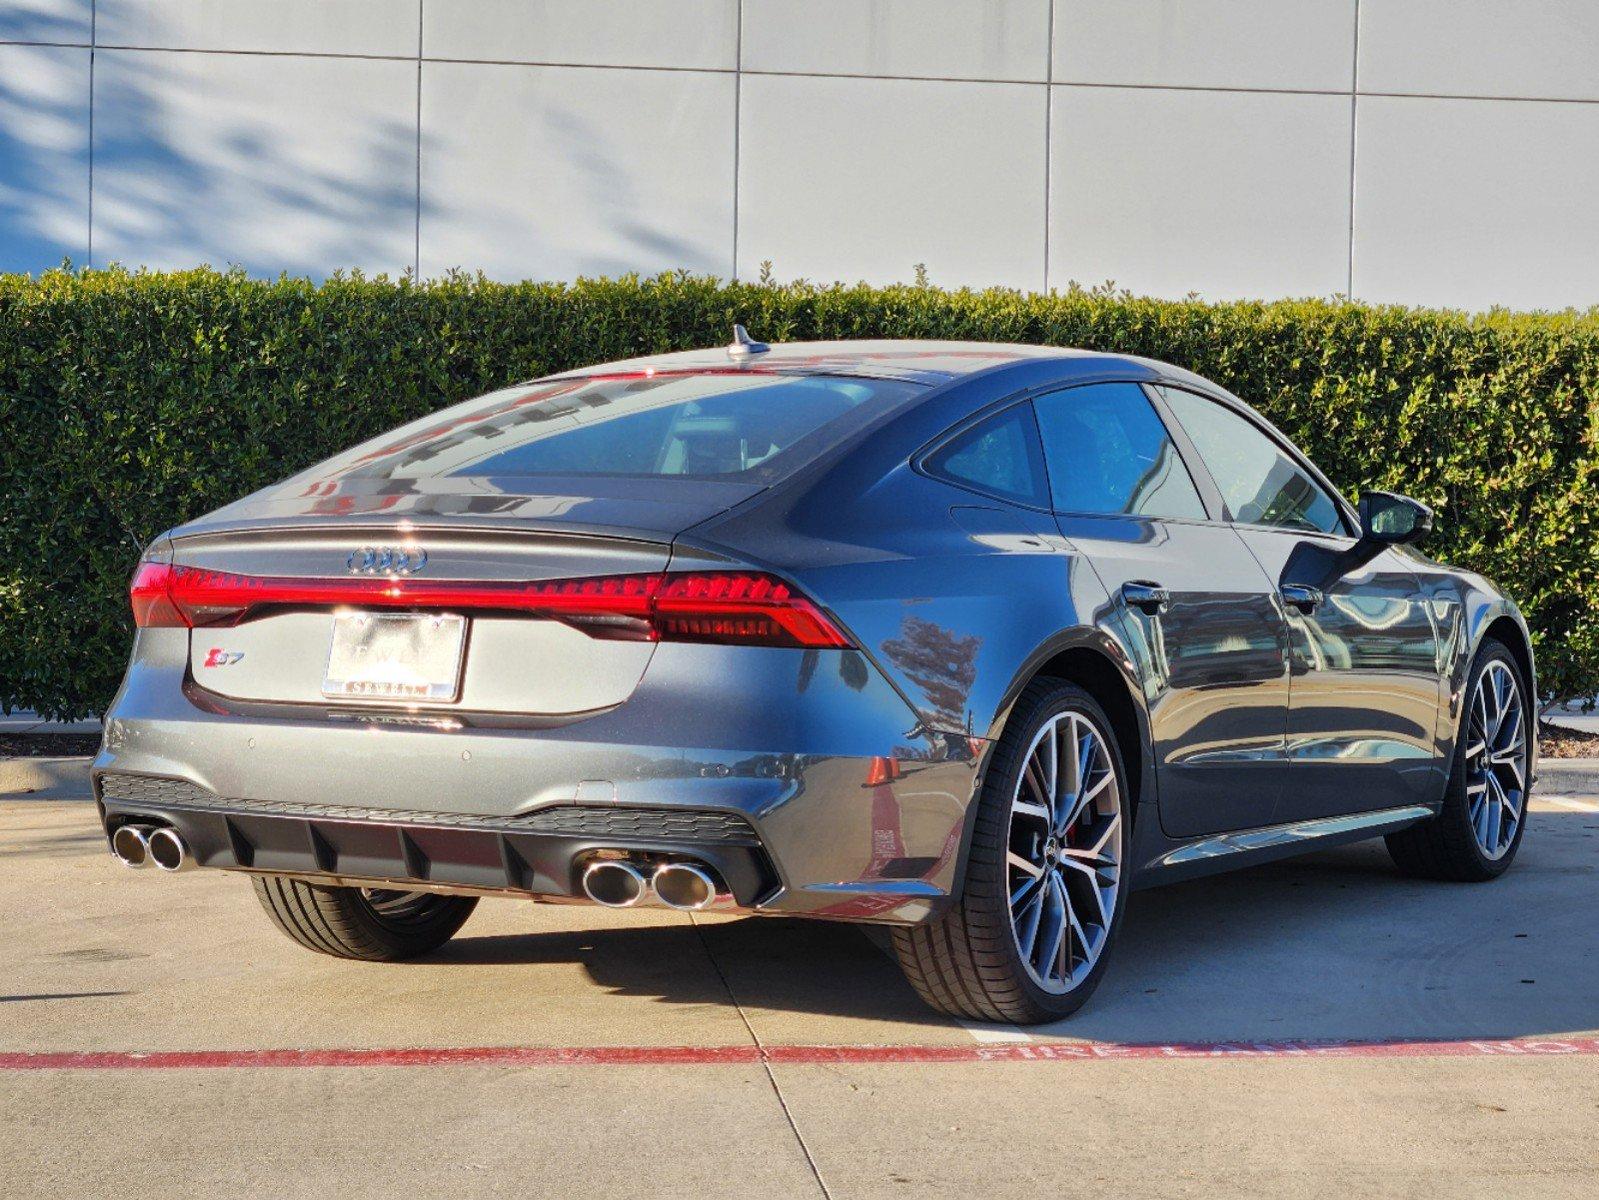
(395, 656)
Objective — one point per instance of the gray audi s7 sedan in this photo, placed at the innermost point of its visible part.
(968, 640)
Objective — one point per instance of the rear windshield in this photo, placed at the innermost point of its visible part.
(711, 425)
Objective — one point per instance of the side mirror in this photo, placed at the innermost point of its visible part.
(1387, 519)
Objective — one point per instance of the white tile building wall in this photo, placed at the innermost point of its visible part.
(1423, 151)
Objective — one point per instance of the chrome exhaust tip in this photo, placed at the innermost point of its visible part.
(614, 884)
(130, 846)
(168, 851)
(684, 886)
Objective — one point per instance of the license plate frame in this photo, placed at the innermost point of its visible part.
(395, 658)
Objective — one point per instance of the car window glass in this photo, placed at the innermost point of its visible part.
(1108, 452)
(1260, 482)
(1000, 455)
(750, 426)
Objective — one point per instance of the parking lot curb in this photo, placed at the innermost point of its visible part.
(1569, 776)
(45, 778)
(785, 1055)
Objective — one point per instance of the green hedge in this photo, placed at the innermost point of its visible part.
(131, 402)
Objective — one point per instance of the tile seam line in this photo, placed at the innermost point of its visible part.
(1337, 93)
(764, 1058)
(1049, 141)
(88, 243)
(1354, 127)
(772, 74)
(738, 121)
(421, 23)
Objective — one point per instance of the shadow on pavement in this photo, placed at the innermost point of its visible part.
(1334, 945)
(53, 845)
(1340, 945)
(819, 967)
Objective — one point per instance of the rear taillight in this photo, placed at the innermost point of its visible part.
(737, 608)
(727, 607)
(150, 595)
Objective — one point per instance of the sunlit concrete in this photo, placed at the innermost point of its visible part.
(1331, 946)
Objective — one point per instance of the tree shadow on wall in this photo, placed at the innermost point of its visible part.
(273, 163)
(44, 142)
(298, 164)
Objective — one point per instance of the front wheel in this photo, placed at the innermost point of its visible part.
(1043, 895)
(1478, 829)
(371, 924)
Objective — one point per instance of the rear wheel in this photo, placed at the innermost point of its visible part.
(1478, 830)
(1043, 893)
(373, 924)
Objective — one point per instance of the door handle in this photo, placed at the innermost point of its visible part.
(1149, 598)
(1305, 599)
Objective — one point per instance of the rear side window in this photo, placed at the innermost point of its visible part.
(1000, 456)
(1109, 453)
(721, 425)
(1261, 482)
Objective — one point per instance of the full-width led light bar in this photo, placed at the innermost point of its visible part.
(724, 607)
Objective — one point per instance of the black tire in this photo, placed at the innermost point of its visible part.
(967, 963)
(1445, 847)
(346, 922)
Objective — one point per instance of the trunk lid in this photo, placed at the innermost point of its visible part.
(506, 664)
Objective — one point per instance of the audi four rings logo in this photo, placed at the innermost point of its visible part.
(386, 560)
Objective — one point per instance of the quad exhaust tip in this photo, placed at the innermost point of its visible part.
(682, 886)
(168, 851)
(140, 846)
(614, 884)
(130, 846)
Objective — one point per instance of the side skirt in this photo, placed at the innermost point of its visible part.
(1215, 853)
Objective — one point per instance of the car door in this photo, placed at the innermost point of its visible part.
(1363, 649)
(1197, 609)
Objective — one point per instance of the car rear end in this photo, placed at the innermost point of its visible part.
(476, 656)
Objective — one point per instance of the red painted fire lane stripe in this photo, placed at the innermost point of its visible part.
(576, 1056)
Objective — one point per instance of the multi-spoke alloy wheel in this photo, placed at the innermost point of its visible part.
(1065, 852)
(1483, 816)
(1496, 752)
(1030, 936)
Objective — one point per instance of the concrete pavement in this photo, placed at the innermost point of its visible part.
(1334, 946)
(45, 777)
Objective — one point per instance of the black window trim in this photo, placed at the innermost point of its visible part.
(1346, 511)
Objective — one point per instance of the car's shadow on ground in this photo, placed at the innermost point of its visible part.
(818, 967)
(70, 844)
(1336, 945)
(1339, 945)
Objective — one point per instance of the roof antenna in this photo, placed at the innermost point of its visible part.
(744, 345)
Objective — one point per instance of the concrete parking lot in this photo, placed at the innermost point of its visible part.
(1317, 1024)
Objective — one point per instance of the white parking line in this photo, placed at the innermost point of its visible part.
(998, 1034)
(987, 1033)
(1547, 803)
(990, 1034)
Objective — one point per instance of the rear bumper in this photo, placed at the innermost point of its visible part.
(771, 770)
(541, 853)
